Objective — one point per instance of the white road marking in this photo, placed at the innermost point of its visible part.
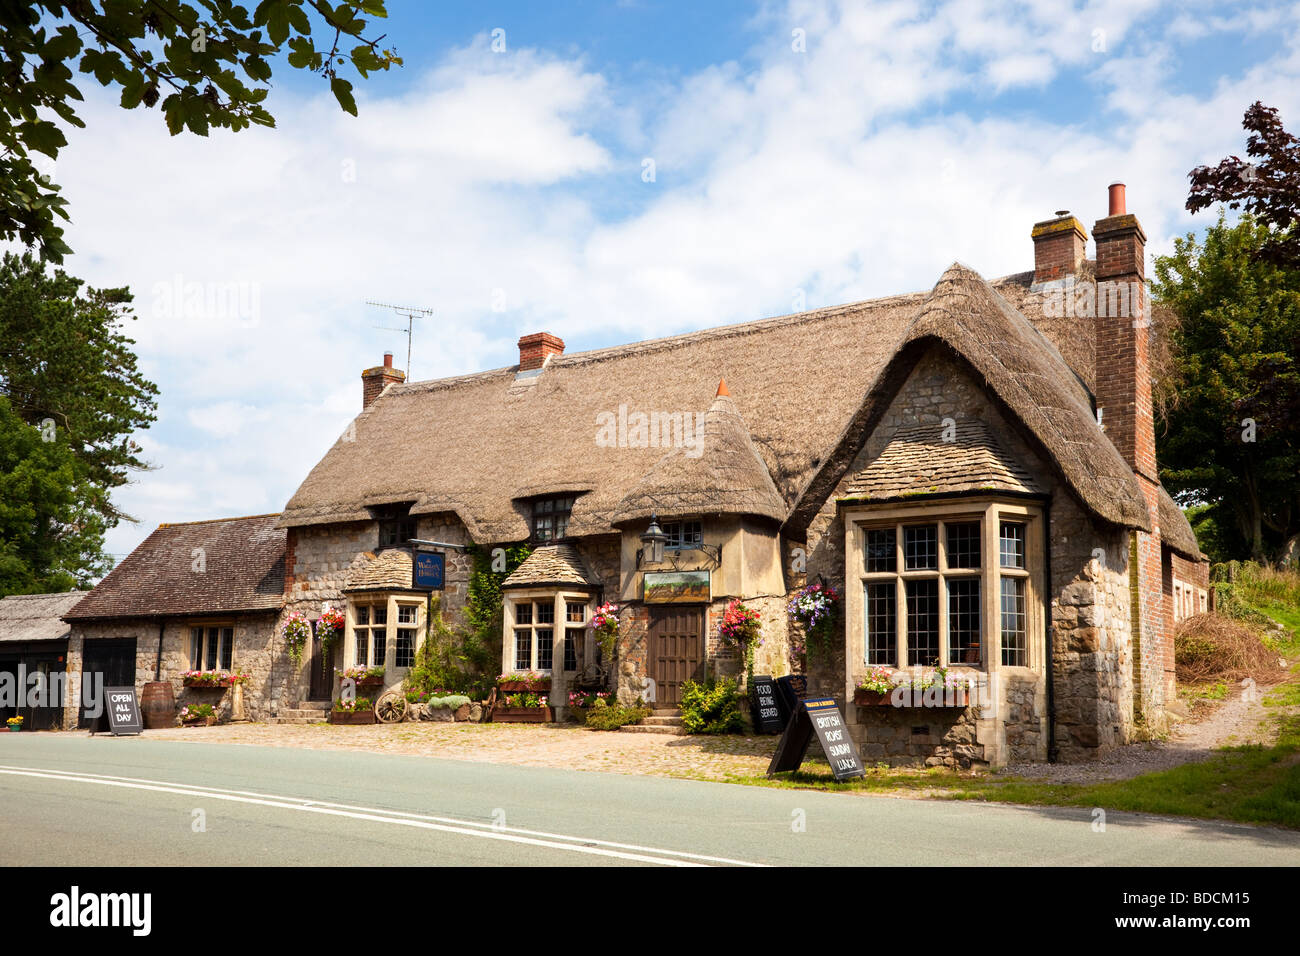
(401, 818)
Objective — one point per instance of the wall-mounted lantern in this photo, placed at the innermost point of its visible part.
(653, 541)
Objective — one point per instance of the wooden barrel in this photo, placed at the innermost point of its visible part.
(158, 704)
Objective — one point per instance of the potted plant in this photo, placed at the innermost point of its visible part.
(198, 715)
(364, 678)
(15, 724)
(581, 701)
(874, 689)
(359, 710)
(523, 708)
(295, 630)
(814, 609)
(742, 629)
(523, 683)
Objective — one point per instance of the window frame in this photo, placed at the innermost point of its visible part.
(392, 603)
(207, 627)
(676, 530)
(553, 512)
(396, 523)
(559, 625)
(990, 513)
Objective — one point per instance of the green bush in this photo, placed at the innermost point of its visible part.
(614, 716)
(712, 707)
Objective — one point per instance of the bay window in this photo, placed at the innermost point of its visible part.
(384, 630)
(542, 627)
(943, 585)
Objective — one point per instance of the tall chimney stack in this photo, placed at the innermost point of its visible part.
(535, 349)
(375, 380)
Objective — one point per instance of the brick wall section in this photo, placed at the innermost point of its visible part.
(1059, 248)
(534, 349)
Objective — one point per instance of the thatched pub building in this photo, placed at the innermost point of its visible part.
(972, 467)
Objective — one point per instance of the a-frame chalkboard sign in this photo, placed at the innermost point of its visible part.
(818, 716)
(120, 714)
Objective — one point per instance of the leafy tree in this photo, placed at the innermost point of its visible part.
(68, 376)
(1230, 437)
(204, 64)
(1269, 189)
(49, 539)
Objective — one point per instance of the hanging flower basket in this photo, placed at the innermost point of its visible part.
(296, 630)
(815, 609)
(329, 628)
(742, 628)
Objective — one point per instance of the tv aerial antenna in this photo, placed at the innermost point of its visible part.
(411, 313)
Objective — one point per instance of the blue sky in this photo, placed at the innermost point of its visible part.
(803, 151)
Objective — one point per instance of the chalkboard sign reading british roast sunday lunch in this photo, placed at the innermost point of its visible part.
(820, 716)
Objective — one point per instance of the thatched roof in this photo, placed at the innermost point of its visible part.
(1176, 530)
(239, 568)
(1024, 372)
(723, 475)
(920, 460)
(389, 570)
(806, 385)
(37, 617)
(552, 564)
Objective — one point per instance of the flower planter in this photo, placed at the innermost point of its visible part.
(936, 699)
(871, 698)
(14, 728)
(205, 684)
(352, 716)
(200, 722)
(524, 687)
(369, 683)
(523, 715)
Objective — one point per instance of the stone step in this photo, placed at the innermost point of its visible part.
(667, 712)
(653, 729)
(314, 705)
(658, 721)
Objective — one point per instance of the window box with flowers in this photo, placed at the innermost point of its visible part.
(360, 710)
(364, 678)
(523, 708)
(881, 687)
(208, 680)
(530, 683)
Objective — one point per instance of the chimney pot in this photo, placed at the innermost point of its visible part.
(388, 360)
(375, 380)
(1116, 199)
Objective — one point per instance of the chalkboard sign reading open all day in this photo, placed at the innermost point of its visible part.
(764, 707)
(820, 716)
(122, 710)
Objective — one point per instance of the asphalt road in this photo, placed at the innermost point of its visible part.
(75, 800)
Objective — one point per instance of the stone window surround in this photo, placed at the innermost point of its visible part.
(391, 600)
(205, 624)
(1189, 599)
(561, 598)
(990, 511)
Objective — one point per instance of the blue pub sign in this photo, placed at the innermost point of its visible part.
(427, 573)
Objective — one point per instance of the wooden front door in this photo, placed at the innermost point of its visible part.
(114, 658)
(322, 669)
(675, 651)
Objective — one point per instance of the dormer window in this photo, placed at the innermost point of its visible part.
(551, 518)
(396, 526)
(683, 535)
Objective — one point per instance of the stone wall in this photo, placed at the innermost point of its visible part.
(256, 652)
(918, 736)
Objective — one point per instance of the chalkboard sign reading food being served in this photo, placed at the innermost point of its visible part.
(763, 706)
(122, 710)
(818, 716)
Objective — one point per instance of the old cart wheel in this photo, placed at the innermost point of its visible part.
(391, 708)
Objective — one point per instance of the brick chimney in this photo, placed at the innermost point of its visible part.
(535, 349)
(1058, 247)
(375, 380)
(1123, 394)
(1123, 368)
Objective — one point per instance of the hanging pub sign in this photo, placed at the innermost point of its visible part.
(763, 706)
(818, 715)
(120, 714)
(677, 587)
(427, 570)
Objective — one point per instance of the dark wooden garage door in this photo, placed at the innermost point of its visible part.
(676, 650)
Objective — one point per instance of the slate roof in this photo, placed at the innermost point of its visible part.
(37, 617)
(918, 461)
(242, 570)
(552, 564)
(389, 570)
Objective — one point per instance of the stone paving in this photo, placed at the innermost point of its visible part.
(566, 746)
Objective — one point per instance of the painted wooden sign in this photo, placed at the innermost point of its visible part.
(677, 587)
(427, 572)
